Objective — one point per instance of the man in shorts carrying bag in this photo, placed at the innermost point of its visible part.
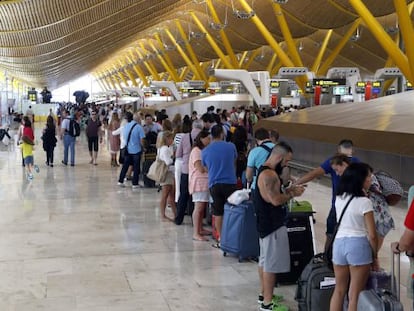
(270, 203)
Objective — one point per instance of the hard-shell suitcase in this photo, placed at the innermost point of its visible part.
(299, 224)
(314, 291)
(239, 234)
(383, 299)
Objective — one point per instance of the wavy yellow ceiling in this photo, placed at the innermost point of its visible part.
(50, 42)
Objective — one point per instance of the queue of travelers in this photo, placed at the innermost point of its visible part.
(208, 157)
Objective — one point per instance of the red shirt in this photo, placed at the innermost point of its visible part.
(28, 131)
(409, 219)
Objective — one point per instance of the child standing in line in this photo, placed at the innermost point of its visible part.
(27, 148)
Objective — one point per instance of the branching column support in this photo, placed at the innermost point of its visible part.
(407, 32)
(150, 68)
(166, 56)
(284, 27)
(128, 73)
(212, 42)
(271, 63)
(224, 38)
(150, 63)
(243, 58)
(138, 70)
(120, 75)
(383, 38)
(183, 55)
(345, 39)
(252, 56)
(190, 51)
(171, 71)
(267, 35)
(322, 51)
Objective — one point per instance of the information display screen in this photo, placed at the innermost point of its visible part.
(340, 90)
(32, 95)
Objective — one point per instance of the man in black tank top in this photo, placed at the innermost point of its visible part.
(270, 203)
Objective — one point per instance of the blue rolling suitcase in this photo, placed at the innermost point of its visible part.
(239, 234)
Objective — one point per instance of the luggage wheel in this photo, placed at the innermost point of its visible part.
(224, 254)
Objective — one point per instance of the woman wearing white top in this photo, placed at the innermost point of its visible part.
(355, 245)
(166, 153)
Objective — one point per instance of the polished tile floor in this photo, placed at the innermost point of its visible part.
(72, 240)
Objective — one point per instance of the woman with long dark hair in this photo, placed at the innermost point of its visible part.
(355, 245)
(49, 140)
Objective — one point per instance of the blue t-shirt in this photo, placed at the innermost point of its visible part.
(326, 166)
(134, 145)
(258, 156)
(219, 158)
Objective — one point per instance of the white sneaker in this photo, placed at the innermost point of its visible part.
(136, 186)
(121, 184)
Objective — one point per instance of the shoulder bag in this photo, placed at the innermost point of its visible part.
(158, 170)
(124, 151)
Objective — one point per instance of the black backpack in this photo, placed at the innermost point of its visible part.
(74, 128)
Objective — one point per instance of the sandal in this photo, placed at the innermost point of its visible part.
(216, 245)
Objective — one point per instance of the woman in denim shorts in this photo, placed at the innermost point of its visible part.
(355, 245)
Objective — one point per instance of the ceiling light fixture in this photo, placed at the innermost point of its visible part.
(357, 35)
(243, 14)
(280, 1)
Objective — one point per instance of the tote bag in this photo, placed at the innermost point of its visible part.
(158, 171)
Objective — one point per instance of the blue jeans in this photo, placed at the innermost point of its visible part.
(69, 143)
(135, 161)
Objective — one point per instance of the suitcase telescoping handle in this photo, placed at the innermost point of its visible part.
(395, 274)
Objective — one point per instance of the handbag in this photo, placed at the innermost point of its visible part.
(158, 171)
(329, 247)
(124, 151)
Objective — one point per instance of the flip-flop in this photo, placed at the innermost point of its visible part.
(216, 245)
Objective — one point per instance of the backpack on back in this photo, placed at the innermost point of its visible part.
(74, 128)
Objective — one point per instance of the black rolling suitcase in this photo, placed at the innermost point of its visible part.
(299, 225)
(149, 158)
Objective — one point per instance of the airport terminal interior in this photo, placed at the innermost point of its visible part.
(76, 237)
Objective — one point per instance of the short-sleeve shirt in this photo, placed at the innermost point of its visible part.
(198, 182)
(326, 166)
(353, 222)
(65, 124)
(134, 145)
(409, 219)
(93, 127)
(258, 156)
(219, 158)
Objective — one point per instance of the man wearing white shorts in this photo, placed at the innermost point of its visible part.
(270, 203)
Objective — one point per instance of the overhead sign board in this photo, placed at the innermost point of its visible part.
(329, 82)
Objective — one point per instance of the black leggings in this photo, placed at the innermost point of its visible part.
(49, 154)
